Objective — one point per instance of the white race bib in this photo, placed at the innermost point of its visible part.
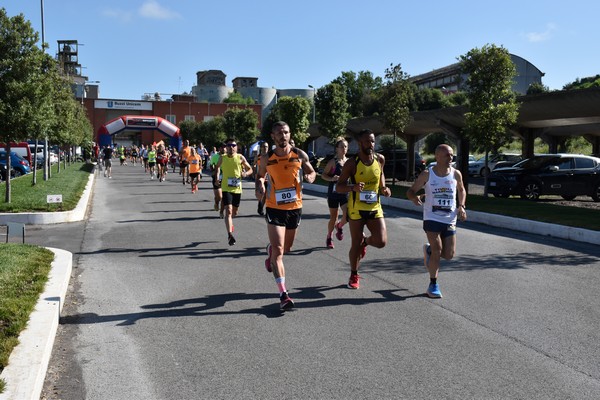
(283, 196)
(443, 203)
(368, 197)
(234, 182)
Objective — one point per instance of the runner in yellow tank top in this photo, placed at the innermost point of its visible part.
(363, 177)
(234, 167)
(284, 201)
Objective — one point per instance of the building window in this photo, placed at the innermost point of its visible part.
(189, 118)
(171, 118)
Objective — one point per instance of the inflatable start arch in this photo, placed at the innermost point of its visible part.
(138, 122)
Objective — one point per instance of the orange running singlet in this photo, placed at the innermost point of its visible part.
(284, 188)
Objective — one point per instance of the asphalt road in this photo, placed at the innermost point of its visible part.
(162, 308)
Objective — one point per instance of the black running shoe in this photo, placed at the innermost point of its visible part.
(231, 240)
(286, 303)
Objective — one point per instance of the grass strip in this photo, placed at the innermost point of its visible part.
(586, 218)
(23, 274)
(70, 182)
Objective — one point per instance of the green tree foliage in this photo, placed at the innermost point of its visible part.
(433, 140)
(536, 88)
(332, 110)
(493, 107)
(361, 89)
(458, 99)
(187, 128)
(23, 69)
(237, 98)
(211, 133)
(295, 112)
(583, 83)
(492, 103)
(386, 142)
(397, 96)
(242, 124)
(430, 99)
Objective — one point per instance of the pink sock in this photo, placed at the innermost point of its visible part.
(281, 284)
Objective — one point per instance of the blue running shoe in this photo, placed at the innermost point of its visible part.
(433, 291)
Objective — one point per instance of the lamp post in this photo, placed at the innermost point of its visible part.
(314, 106)
(314, 114)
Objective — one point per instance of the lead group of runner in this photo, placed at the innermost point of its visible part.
(356, 185)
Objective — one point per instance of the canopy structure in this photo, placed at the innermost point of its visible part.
(139, 122)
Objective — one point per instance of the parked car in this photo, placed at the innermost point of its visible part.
(566, 175)
(18, 163)
(401, 164)
(478, 167)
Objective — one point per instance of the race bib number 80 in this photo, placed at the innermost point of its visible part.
(284, 196)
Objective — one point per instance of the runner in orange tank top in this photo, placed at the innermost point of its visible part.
(284, 201)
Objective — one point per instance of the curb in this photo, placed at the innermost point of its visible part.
(26, 370)
(41, 218)
(515, 224)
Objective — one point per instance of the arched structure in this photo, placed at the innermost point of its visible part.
(138, 122)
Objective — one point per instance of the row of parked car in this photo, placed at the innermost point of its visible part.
(19, 165)
(565, 175)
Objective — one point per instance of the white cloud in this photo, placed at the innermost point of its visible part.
(535, 37)
(151, 9)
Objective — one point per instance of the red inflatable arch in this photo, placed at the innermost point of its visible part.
(138, 122)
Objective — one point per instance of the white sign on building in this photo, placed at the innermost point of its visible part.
(123, 105)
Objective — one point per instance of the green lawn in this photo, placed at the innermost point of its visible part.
(23, 274)
(69, 182)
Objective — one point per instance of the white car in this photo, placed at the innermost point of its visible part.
(478, 167)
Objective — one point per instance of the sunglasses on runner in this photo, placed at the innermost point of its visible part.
(231, 144)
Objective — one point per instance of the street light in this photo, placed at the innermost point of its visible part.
(314, 106)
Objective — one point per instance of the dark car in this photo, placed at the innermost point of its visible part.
(566, 175)
(18, 163)
(401, 164)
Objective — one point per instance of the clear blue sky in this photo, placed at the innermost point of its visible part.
(144, 46)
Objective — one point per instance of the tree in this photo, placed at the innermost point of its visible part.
(536, 88)
(583, 83)
(332, 110)
(187, 128)
(238, 98)
(294, 111)
(396, 98)
(433, 140)
(360, 89)
(241, 124)
(430, 99)
(23, 67)
(211, 132)
(492, 103)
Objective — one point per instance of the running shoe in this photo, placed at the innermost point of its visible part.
(231, 240)
(363, 247)
(329, 243)
(353, 282)
(433, 291)
(286, 303)
(426, 254)
(340, 232)
(221, 215)
(260, 211)
(268, 260)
